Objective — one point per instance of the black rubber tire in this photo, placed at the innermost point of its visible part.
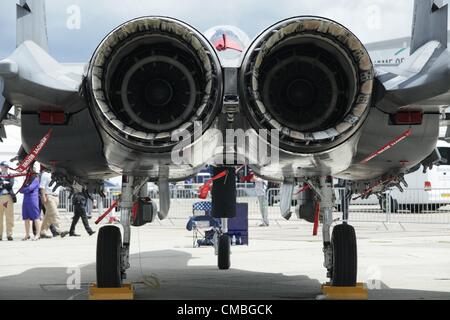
(109, 247)
(345, 256)
(224, 251)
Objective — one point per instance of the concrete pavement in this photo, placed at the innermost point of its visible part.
(282, 262)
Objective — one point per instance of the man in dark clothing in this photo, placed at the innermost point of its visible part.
(79, 201)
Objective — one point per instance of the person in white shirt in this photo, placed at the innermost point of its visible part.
(50, 200)
(261, 188)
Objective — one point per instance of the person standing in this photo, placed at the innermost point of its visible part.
(31, 211)
(7, 200)
(41, 206)
(260, 189)
(80, 202)
(50, 200)
(89, 207)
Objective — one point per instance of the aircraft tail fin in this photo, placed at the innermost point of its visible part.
(32, 23)
(430, 23)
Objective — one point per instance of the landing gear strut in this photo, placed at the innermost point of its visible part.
(113, 247)
(224, 208)
(340, 249)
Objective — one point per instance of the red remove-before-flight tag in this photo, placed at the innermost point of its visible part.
(206, 188)
(37, 149)
(316, 220)
(388, 146)
(103, 216)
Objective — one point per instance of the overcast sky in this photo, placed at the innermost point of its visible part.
(371, 20)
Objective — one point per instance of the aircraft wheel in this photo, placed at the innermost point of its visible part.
(224, 251)
(345, 258)
(109, 247)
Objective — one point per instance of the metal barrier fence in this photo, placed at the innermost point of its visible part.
(412, 206)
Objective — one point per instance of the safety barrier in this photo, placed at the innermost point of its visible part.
(421, 206)
(412, 206)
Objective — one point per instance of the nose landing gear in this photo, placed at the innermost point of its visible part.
(224, 252)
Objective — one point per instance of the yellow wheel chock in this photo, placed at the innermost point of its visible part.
(359, 292)
(124, 293)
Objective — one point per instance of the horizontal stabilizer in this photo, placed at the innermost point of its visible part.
(430, 23)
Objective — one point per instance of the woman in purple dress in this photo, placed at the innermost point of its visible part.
(30, 208)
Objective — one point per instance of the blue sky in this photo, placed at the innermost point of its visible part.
(371, 20)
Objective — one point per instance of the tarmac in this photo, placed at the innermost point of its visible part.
(283, 261)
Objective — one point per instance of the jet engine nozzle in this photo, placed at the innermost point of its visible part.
(153, 76)
(311, 79)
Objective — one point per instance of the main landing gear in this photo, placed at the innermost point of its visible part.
(339, 243)
(340, 248)
(109, 251)
(113, 244)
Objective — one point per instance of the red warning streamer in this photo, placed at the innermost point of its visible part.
(206, 188)
(305, 188)
(316, 220)
(387, 146)
(37, 149)
(369, 190)
(103, 216)
(248, 179)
